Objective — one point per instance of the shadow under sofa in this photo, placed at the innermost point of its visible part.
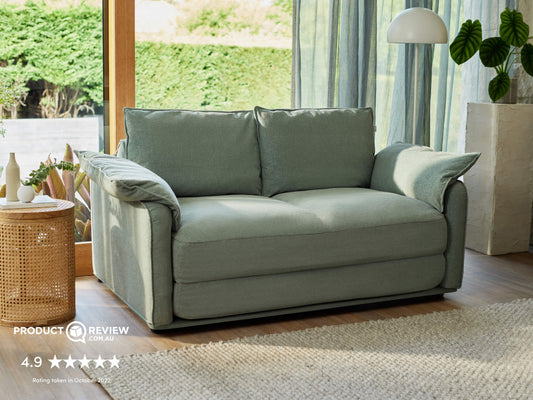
(210, 216)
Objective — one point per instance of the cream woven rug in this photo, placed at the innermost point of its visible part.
(477, 353)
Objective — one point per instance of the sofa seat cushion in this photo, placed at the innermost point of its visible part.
(222, 237)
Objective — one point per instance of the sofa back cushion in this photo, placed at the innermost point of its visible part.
(315, 148)
(198, 153)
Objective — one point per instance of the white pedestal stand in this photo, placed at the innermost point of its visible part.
(500, 184)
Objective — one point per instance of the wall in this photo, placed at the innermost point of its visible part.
(32, 140)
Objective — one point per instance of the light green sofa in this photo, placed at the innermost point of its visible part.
(217, 216)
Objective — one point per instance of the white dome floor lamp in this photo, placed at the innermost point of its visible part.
(417, 25)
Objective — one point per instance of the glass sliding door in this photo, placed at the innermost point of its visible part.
(51, 90)
(51, 53)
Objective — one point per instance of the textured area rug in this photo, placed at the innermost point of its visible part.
(476, 353)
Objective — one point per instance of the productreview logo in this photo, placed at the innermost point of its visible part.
(76, 331)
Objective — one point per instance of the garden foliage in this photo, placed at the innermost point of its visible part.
(211, 76)
(59, 49)
(57, 53)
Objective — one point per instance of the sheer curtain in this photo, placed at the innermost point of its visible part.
(342, 59)
(334, 53)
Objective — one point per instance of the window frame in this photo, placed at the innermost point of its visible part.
(119, 68)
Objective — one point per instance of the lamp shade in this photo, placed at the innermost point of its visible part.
(417, 25)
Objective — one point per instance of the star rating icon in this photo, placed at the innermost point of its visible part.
(114, 361)
(55, 362)
(85, 362)
(69, 362)
(99, 362)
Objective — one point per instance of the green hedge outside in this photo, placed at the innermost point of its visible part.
(211, 76)
(62, 48)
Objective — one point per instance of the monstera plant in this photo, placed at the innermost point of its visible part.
(499, 52)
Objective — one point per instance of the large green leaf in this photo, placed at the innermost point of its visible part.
(499, 86)
(493, 51)
(467, 41)
(526, 56)
(513, 29)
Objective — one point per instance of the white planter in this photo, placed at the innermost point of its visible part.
(26, 194)
(500, 185)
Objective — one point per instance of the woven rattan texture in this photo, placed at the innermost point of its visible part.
(37, 266)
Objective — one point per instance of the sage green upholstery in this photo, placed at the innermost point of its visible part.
(198, 153)
(455, 201)
(218, 298)
(121, 148)
(226, 216)
(315, 148)
(128, 181)
(132, 253)
(419, 172)
(223, 237)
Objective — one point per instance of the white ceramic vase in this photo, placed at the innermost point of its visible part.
(26, 193)
(12, 178)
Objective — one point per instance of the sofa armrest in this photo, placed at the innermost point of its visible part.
(455, 211)
(419, 172)
(132, 253)
(128, 181)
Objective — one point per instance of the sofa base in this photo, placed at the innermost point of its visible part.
(185, 323)
(250, 294)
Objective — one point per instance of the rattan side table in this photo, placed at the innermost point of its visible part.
(37, 265)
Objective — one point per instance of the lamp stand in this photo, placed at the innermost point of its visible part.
(415, 103)
(417, 25)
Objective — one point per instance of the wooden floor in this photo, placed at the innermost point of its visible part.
(487, 280)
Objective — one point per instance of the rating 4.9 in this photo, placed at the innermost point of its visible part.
(38, 362)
